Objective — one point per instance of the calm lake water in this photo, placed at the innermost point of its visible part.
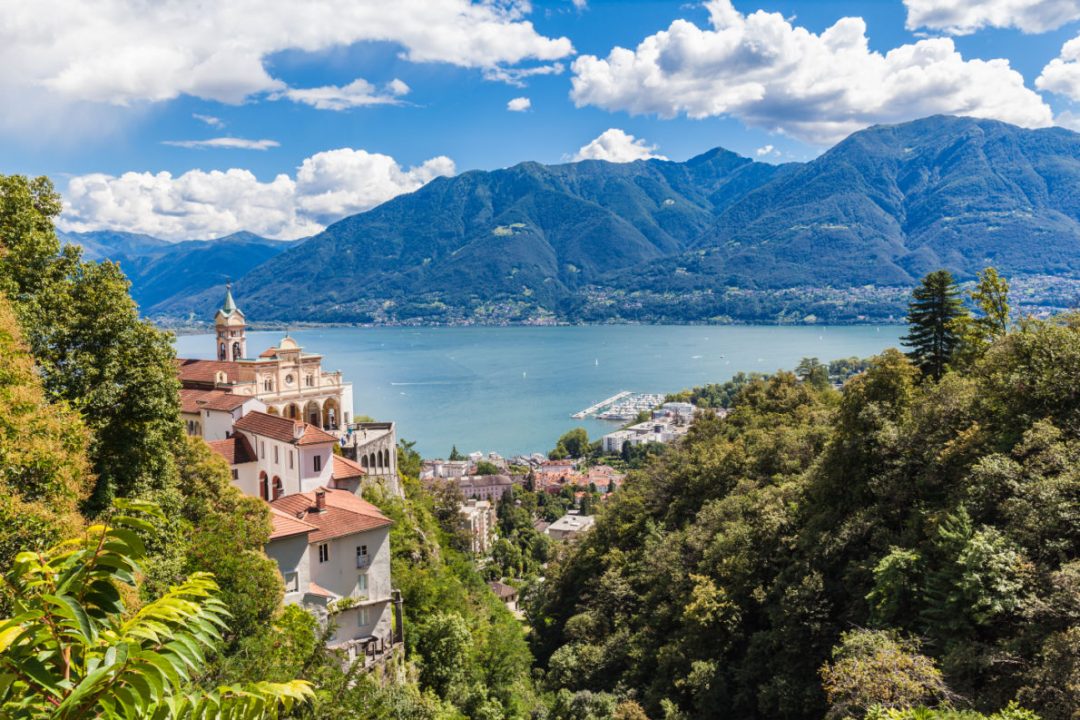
(513, 389)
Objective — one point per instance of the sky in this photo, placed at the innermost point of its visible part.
(189, 119)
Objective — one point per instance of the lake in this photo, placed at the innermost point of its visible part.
(513, 389)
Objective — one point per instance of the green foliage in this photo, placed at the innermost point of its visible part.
(44, 475)
(90, 346)
(573, 444)
(932, 321)
(878, 669)
(486, 468)
(435, 578)
(455, 455)
(72, 650)
(443, 641)
(723, 575)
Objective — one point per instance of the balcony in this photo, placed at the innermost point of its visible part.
(363, 561)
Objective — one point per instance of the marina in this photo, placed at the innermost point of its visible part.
(593, 409)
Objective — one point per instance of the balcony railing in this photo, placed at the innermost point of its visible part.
(363, 561)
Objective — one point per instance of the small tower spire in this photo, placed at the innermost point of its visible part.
(230, 325)
(230, 305)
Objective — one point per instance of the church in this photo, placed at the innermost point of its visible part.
(286, 428)
(282, 381)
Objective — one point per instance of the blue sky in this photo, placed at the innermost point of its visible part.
(115, 95)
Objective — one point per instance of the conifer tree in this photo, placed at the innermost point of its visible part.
(932, 314)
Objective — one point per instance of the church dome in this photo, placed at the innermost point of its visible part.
(287, 343)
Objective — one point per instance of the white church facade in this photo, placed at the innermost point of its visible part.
(277, 420)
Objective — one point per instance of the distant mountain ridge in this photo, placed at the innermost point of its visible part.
(161, 271)
(720, 236)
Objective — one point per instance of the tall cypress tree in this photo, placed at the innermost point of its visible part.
(932, 331)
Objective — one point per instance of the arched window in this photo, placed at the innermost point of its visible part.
(363, 462)
(279, 489)
(236, 351)
(264, 487)
(221, 352)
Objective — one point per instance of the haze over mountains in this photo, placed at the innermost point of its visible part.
(716, 237)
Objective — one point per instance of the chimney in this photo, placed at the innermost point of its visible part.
(320, 500)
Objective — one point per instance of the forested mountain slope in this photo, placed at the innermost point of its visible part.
(160, 270)
(716, 236)
(928, 531)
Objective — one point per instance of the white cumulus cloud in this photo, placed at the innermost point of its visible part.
(615, 145)
(764, 150)
(201, 204)
(519, 104)
(1062, 74)
(962, 18)
(228, 143)
(124, 52)
(358, 93)
(820, 88)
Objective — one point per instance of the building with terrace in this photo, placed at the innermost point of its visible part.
(333, 550)
(283, 382)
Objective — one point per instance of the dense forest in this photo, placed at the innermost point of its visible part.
(893, 539)
(909, 541)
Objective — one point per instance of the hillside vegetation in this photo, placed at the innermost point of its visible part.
(903, 542)
(719, 237)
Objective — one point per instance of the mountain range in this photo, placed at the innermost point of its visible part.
(719, 237)
(163, 272)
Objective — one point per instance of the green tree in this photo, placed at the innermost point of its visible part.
(873, 668)
(991, 296)
(932, 334)
(575, 442)
(72, 650)
(455, 454)
(91, 348)
(811, 370)
(443, 641)
(485, 467)
(44, 475)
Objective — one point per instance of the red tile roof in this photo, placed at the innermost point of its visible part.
(193, 400)
(314, 436)
(236, 450)
(268, 353)
(286, 525)
(345, 469)
(205, 371)
(271, 426)
(345, 513)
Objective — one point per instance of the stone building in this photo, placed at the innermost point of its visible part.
(286, 382)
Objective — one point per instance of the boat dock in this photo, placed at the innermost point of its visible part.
(600, 405)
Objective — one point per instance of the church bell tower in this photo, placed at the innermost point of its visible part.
(230, 325)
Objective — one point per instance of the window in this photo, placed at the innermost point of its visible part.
(361, 556)
(324, 552)
(290, 460)
(235, 474)
(275, 454)
(262, 449)
(318, 463)
(292, 582)
(361, 583)
(279, 489)
(288, 379)
(310, 380)
(362, 616)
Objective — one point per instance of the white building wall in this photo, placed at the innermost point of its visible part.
(340, 575)
(347, 403)
(292, 554)
(246, 478)
(310, 478)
